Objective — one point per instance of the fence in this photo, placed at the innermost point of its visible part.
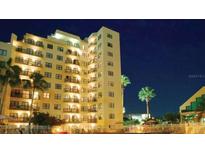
(188, 128)
(12, 129)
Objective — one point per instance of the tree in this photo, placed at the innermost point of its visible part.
(10, 75)
(36, 83)
(145, 95)
(125, 81)
(44, 119)
(171, 117)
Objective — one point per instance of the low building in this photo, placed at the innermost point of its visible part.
(193, 109)
(139, 117)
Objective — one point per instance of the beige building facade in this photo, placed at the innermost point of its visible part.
(83, 76)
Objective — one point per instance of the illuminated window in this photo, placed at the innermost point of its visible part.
(26, 94)
(3, 52)
(46, 95)
(58, 86)
(109, 36)
(110, 63)
(46, 106)
(57, 106)
(111, 105)
(48, 65)
(60, 49)
(59, 76)
(57, 96)
(111, 94)
(36, 95)
(112, 116)
(48, 74)
(110, 73)
(59, 67)
(49, 46)
(110, 54)
(109, 44)
(49, 55)
(60, 58)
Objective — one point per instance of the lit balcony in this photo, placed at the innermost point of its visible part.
(18, 119)
(92, 70)
(70, 110)
(72, 90)
(71, 100)
(72, 121)
(92, 120)
(94, 79)
(29, 51)
(72, 71)
(72, 80)
(19, 107)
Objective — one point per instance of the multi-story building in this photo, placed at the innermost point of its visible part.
(193, 108)
(83, 76)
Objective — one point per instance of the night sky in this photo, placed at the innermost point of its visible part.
(168, 55)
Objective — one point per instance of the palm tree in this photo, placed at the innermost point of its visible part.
(10, 75)
(36, 83)
(125, 81)
(145, 95)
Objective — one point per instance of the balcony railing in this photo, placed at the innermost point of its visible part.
(92, 100)
(92, 70)
(89, 110)
(92, 90)
(92, 80)
(18, 119)
(31, 52)
(72, 71)
(27, 62)
(21, 95)
(71, 100)
(19, 107)
(92, 120)
(69, 52)
(72, 80)
(71, 62)
(92, 44)
(72, 121)
(71, 90)
(32, 42)
(69, 110)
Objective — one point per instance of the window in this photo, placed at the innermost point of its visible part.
(110, 54)
(60, 49)
(45, 106)
(3, 52)
(99, 37)
(57, 106)
(112, 116)
(111, 105)
(110, 83)
(49, 55)
(46, 95)
(59, 67)
(49, 46)
(48, 65)
(60, 58)
(57, 96)
(99, 46)
(59, 76)
(111, 94)
(49, 85)
(110, 63)
(110, 73)
(109, 44)
(58, 86)
(109, 36)
(48, 74)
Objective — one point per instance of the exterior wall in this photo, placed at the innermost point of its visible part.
(88, 104)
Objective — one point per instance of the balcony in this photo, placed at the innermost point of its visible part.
(27, 62)
(72, 71)
(72, 62)
(92, 80)
(92, 100)
(71, 100)
(30, 52)
(19, 107)
(69, 110)
(71, 90)
(32, 42)
(21, 95)
(92, 44)
(92, 70)
(69, 52)
(72, 121)
(92, 120)
(19, 119)
(89, 110)
(92, 89)
(72, 80)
